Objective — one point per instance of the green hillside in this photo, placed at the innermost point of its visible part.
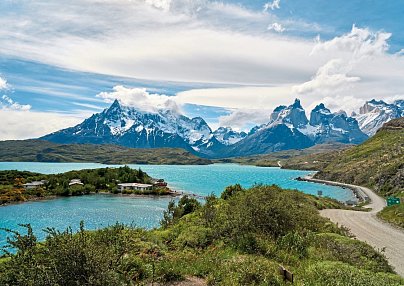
(377, 163)
(44, 151)
(300, 159)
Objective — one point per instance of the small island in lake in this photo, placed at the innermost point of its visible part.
(20, 186)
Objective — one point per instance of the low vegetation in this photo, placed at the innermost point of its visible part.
(92, 181)
(377, 163)
(393, 214)
(44, 151)
(239, 239)
(313, 158)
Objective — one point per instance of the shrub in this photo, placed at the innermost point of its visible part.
(267, 211)
(341, 274)
(194, 237)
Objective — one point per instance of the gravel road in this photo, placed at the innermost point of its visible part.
(367, 227)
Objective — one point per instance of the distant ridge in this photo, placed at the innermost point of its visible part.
(288, 128)
(44, 151)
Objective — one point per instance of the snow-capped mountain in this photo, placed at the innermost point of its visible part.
(289, 128)
(269, 139)
(373, 114)
(292, 116)
(130, 127)
(280, 133)
(228, 136)
(325, 126)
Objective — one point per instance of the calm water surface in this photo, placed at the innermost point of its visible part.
(103, 210)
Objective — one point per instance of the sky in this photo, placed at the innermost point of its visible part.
(231, 62)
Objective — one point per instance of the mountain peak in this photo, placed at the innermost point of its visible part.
(115, 104)
(293, 116)
(297, 104)
(321, 108)
(114, 108)
(374, 113)
(227, 136)
(320, 115)
(280, 108)
(374, 101)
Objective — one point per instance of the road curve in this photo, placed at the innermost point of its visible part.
(367, 227)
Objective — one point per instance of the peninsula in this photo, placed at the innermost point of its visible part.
(20, 186)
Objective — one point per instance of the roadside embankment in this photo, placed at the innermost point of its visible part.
(366, 226)
(359, 193)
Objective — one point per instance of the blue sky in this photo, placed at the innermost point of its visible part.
(230, 62)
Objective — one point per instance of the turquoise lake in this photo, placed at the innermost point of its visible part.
(103, 210)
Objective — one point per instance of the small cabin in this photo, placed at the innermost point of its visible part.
(34, 185)
(134, 187)
(159, 183)
(75, 182)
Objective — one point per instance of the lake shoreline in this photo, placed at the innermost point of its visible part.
(356, 190)
(199, 180)
(172, 194)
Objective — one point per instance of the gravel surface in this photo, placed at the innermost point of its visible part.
(367, 227)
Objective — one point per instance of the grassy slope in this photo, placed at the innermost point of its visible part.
(293, 159)
(240, 240)
(44, 151)
(377, 163)
(393, 214)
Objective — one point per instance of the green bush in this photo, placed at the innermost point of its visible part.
(341, 274)
(194, 237)
(267, 211)
(246, 270)
(351, 251)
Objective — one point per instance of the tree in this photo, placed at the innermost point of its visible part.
(231, 191)
(186, 205)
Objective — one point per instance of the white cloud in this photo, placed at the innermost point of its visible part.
(276, 27)
(358, 44)
(251, 97)
(272, 5)
(161, 4)
(19, 122)
(139, 98)
(348, 103)
(329, 79)
(7, 103)
(241, 118)
(194, 41)
(3, 83)
(357, 53)
(27, 124)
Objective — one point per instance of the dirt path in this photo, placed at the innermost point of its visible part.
(367, 227)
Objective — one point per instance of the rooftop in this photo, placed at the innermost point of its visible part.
(135, 185)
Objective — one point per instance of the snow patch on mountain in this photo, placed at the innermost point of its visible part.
(228, 136)
(374, 113)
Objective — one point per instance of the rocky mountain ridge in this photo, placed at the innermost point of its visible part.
(288, 128)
